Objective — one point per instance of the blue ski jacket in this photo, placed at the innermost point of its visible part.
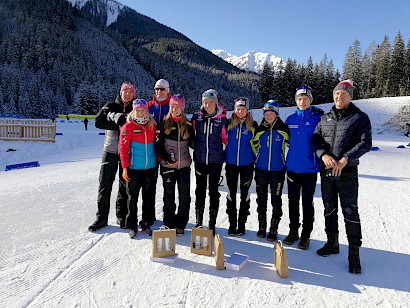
(240, 150)
(270, 141)
(300, 157)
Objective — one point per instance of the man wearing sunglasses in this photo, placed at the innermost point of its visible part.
(158, 107)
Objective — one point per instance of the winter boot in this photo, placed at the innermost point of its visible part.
(331, 246)
(292, 237)
(262, 226)
(354, 259)
(232, 225)
(241, 223)
(273, 231)
(304, 243)
(212, 219)
(98, 224)
(199, 217)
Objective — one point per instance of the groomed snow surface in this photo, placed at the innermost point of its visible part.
(48, 258)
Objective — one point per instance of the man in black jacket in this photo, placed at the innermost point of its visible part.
(111, 118)
(341, 137)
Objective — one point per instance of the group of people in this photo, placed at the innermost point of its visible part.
(147, 138)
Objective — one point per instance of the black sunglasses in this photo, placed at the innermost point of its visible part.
(159, 89)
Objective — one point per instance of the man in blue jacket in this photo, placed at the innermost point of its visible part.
(341, 137)
(302, 166)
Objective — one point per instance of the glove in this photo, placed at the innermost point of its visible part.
(112, 116)
(125, 174)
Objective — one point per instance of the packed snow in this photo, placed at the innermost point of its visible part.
(50, 259)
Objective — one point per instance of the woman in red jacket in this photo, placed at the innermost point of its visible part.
(139, 162)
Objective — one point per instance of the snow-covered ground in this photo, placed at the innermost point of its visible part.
(49, 259)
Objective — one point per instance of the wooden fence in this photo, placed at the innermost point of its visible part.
(27, 130)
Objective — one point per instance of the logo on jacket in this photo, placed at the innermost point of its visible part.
(307, 123)
(137, 131)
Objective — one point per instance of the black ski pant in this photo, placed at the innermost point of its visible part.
(347, 189)
(245, 174)
(170, 178)
(110, 163)
(143, 180)
(202, 172)
(304, 183)
(274, 180)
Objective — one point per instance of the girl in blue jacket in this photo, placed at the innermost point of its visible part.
(270, 168)
(240, 160)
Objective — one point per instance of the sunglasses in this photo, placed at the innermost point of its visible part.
(208, 94)
(306, 88)
(159, 89)
(178, 96)
(269, 107)
(140, 102)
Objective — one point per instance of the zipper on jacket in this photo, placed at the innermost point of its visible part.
(146, 149)
(270, 147)
(239, 132)
(179, 146)
(207, 140)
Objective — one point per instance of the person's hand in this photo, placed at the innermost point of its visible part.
(125, 175)
(340, 164)
(329, 161)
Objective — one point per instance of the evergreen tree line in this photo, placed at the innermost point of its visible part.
(382, 71)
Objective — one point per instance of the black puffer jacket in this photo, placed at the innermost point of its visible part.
(349, 137)
(112, 117)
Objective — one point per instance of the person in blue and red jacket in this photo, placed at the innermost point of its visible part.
(270, 168)
(302, 166)
(138, 160)
(112, 117)
(210, 125)
(240, 161)
(158, 108)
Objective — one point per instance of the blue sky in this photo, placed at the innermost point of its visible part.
(287, 29)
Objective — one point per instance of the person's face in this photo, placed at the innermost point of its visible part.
(141, 112)
(303, 102)
(241, 112)
(127, 95)
(176, 111)
(270, 116)
(161, 92)
(209, 105)
(342, 99)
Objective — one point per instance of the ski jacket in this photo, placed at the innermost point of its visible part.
(137, 146)
(159, 109)
(300, 157)
(112, 117)
(350, 136)
(210, 134)
(175, 142)
(240, 149)
(270, 142)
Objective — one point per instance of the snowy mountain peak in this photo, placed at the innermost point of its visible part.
(110, 7)
(251, 61)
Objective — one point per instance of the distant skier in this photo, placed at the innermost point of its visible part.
(341, 137)
(85, 123)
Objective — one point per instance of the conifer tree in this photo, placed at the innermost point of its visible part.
(353, 69)
(397, 68)
(382, 67)
(266, 83)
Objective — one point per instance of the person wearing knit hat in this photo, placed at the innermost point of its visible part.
(176, 136)
(302, 167)
(158, 107)
(340, 138)
(304, 90)
(210, 125)
(178, 100)
(240, 160)
(270, 140)
(139, 163)
(111, 118)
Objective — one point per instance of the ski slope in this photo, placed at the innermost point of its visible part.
(49, 259)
